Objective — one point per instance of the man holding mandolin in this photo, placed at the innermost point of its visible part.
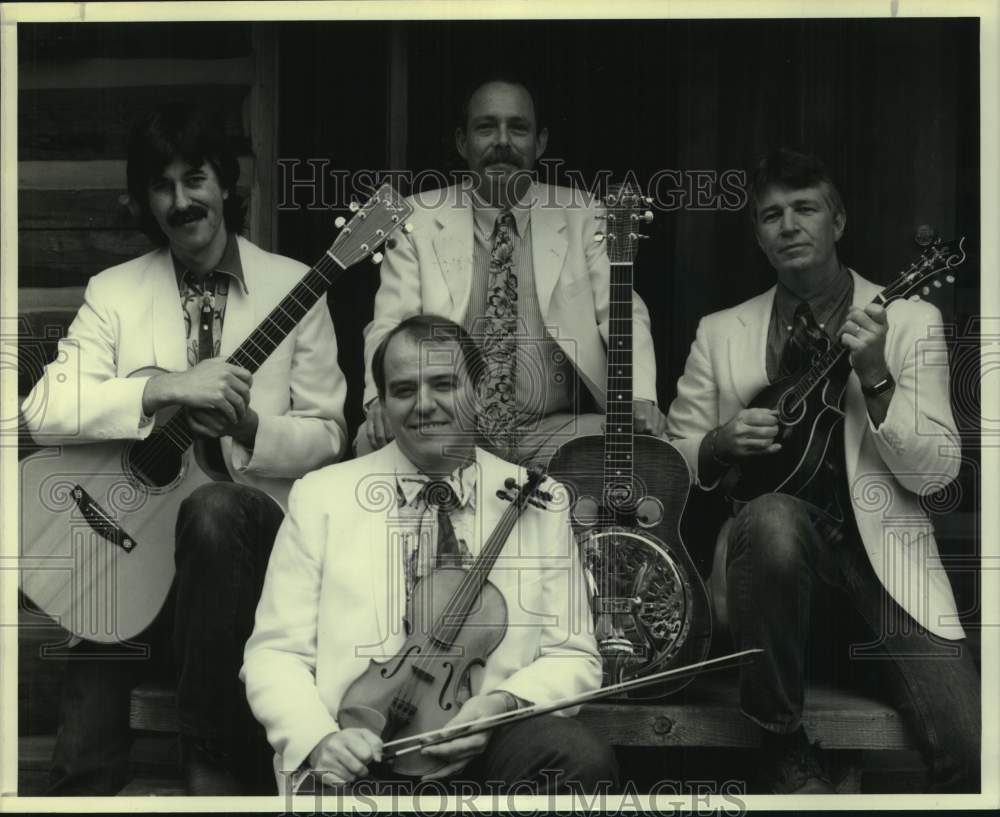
(758, 411)
(154, 334)
(427, 584)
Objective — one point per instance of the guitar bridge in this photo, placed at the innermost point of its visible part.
(616, 604)
(100, 521)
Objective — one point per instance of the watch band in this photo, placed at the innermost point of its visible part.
(881, 387)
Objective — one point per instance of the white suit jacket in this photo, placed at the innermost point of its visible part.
(430, 271)
(334, 597)
(131, 318)
(914, 452)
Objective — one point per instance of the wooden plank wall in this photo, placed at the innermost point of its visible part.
(79, 92)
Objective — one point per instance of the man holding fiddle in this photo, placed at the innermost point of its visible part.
(348, 563)
(877, 562)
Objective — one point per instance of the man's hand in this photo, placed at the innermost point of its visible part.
(647, 418)
(864, 334)
(461, 750)
(376, 427)
(750, 433)
(345, 755)
(210, 385)
(209, 423)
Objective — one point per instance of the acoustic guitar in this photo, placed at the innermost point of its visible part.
(809, 403)
(627, 494)
(97, 520)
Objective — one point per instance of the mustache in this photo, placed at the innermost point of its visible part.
(504, 154)
(192, 213)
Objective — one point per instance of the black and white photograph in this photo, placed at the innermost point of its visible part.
(496, 407)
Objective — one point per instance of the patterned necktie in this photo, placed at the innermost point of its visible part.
(441, 496)
(496, 392)
(806, 341)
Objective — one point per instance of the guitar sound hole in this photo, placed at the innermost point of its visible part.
(790, 409)
(155, 468)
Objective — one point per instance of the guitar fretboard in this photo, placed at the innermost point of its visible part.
(252, 353)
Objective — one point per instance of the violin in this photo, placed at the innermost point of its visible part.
(456, 618)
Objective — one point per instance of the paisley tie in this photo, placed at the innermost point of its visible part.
(806, 341)
(496, 391)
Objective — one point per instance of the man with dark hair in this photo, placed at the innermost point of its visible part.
(183, 308)
(518, 264)
(344, 585)
(781, 552)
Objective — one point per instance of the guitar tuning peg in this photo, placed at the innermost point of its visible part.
(510, 483)
(502, 494)
(647, 199)
(354, 207)
(642, 235)
(647, 216)
(339, 222)
(950, 278)
(377, 258)
(598, 237)
(937, 284)
(407, 228)
(926, 290)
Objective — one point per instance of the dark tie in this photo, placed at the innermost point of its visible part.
(496, 394)
(441, 496)
(211, 449)
(806, 341)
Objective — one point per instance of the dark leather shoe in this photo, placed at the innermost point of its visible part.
(791, 765)
(206, 769)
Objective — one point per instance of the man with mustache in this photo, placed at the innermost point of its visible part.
(184, 308)
(516, 263)
(830, 550)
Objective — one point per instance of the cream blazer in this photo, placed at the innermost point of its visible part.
(131, 318)
(914, 452)
(430, 271)
(334, 598)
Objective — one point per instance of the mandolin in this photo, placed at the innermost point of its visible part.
(809, 402)
(627, 494)
(97, 520)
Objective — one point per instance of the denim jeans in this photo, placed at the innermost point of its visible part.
(783, 555)
(224, 536)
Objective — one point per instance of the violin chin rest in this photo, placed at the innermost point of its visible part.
(361, 717)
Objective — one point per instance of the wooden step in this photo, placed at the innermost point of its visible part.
(707, 715)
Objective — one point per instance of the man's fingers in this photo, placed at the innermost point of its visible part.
(237, 401)
(243, 374)
(241, 387)
(759, 417)
(877, 313)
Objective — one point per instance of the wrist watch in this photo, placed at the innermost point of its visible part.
(881, 387)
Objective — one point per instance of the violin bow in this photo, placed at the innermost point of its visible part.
(413, 743)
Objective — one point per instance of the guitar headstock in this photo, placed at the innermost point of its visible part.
(940, 257)
(370, 227)
(626, 210)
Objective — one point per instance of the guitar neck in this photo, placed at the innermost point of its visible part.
(259, 345)
(618, 411)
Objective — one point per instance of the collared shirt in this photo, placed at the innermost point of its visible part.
(213, 287)
(829, 308)
(418, 521)
(536, 350)
(828, 489)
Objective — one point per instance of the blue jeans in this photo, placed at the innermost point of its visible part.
(224, 537)
(783, 555)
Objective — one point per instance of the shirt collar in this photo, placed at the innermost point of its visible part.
(410, 483)
(229, 264)
(823, 304)
(486, 214)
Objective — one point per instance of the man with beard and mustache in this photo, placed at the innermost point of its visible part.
(184, 308)
(516, 263)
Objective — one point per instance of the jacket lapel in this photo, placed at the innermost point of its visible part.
(241, 308)
(169, 336)
(548, 250)
(748, 347)
(453, 246)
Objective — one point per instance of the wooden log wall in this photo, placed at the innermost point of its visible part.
(79, 90)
